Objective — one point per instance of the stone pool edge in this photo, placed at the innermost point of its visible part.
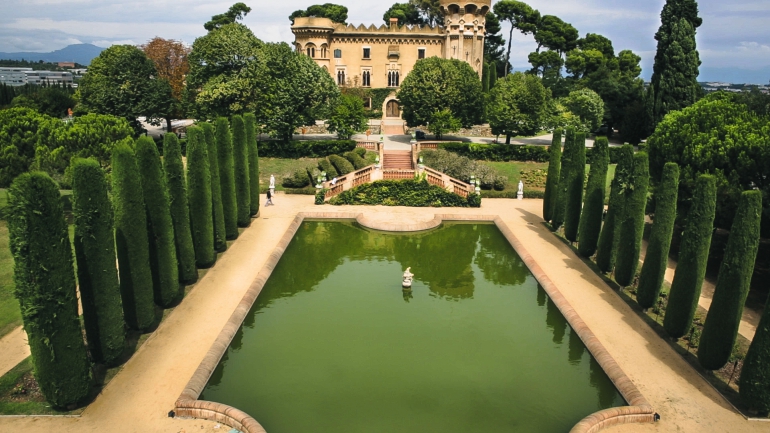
(188, 405)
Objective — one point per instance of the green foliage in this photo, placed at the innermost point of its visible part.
(342, 165)
(180, 210)
(320, 196)
(227, 178)
(131, 240)
(336, 13)
(724, 315)
(554, 172)
(304, 149)
(414, 193)
(235, 13)
(575, 185)
(520, 16)
(588, 106)
(200, 198)
(498, 152)
(518, 105)
(220, 241)
(95, 252)
(356, 160)
(436, 84)
(754, 383)
(296, 179)
(45, 287)
(593, 209)
(348, 117)
(160, 228)
(241, 163)
(360, 151)
(656, 258)
(462, 168)
(407, 13)
(608, 239)
(493, 48)
(52, 101)
(325, 166)
(693, 256)
(442, 122)
(18, 139)
(632, 224)
(251, 141)
(565, 176)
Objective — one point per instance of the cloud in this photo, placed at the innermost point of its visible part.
(754, 47)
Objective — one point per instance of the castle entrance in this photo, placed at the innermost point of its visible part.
(392, 109)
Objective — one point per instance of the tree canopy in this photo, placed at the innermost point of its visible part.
(336, 13)
(170, 59)
(348, 117)
(518, 105)
(588, 106)
(407, 13)
(234, 14)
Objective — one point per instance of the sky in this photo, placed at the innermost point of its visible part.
(734, 36)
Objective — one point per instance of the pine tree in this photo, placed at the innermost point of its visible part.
(95, 254)
(724, 316)
(201, 215)
(608, 239)
(593, 209)
(241, 166)
(227, 178)
(180, 211)
(656, 259)
(562, 193)
(552, 181)
(693, 255)
(575, 186)
(754, 383)
(131, 241)
(163, 263)
(632, 225)
(251, 140)
(220, 241)
(45, 287)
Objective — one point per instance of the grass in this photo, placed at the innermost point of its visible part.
(281, 167)
(513, 169)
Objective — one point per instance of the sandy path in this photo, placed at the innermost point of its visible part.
(13, 349)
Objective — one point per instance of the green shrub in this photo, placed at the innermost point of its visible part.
(554, 169)
(616, 154)
(754, 383)
(304, 149)
(312, 175)
(180, 211)
(460, 167)
(326, 166)
(356, 160)
(693, 255)
(576, 182)
(562, 193)
(131, 241)
(724, 315)
(414, 193)
(241, 163)
(297, 179)
(45, 287)
(528, 193)
(632, 224)
(251, 141)
(474, 200)
(342, 165)
(220, 241)
(656, 259)
(361, 151)
(95, 254)
(199, 194)
(608, 239)
(498, 152)
(320, 196)
(593, 209)
(227, 178)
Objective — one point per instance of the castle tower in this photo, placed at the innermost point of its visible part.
(464, 22)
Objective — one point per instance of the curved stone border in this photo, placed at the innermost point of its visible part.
(398, 227)
(188, 404)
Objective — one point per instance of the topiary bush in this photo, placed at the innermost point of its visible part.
(297, 179)
(220, 241)
(304, 149)
(342, 165)
(414, 193)
(241, 165)
(576, 182)
(250, 121)
(326, 166)
(356, 160)
(180, 211)
(45, 287)
(95, 253)
(199, 195)
(593, 209)
(361, 151)
(632, 225)
(608, 239)
(227, 178)
(320, 196)
(554, 170)
(754, 383)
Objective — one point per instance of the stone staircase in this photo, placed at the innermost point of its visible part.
(397, 160)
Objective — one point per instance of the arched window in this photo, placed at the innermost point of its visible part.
(310, 50)
(341, 77)
(366, 78)
(324, 51)
(393, 79)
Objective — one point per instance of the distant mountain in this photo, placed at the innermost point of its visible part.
(78, 53)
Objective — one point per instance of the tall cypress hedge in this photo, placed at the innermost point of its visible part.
(593, 208)
(724, 316)
(562, 192)
(632, 225)
(199, 180)
(754, 383)
(227, 178)
(45, 287)
(220, 241)
(131, 240)
(251, 141)
(656, 259)
(180, 213)
(241, 164)
(575, 188)
(95, 254)
(608, 239)
(693, 255)
(160, 229)
(554, 170)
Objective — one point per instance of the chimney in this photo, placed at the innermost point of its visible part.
(393, 23)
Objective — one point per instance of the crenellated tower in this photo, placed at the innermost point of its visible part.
(464, 25)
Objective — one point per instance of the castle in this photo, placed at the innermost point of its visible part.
(380, 57)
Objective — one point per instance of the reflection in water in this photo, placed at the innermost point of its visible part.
(407, 295)
(576, 347)
(599, 380)
(555, 321)
(540, 295)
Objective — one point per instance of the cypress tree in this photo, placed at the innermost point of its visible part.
(577, 178)
(131, 241)
(95, 254)
(220, 242)
(593, 209)
(180, 211)
(608, 239)
(241, 166)
(754, 383)
(45, 287)
(656, 259)
(492, 74)
(724, 316)
(632, 224)
(560, 205)
(552, 181)
(227, 178)
(693, 255)
(160, 229)
(251, 141)
(485, 78)
(201, 215)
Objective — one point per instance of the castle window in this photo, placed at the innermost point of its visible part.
(310, 51)
(367, 53)
(341, 77)
(366, 78)
(393, 78)
(420, 53)
(337, 54)
(323, 52)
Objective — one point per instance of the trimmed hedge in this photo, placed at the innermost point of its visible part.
(180, 211)
(360, 151)
(693, 255)
(656, 259)
(199, 194)
(95, 254)
(554, 170)
(754, 383)
(593, 208)
(227, 178)
(498, 152)
(724, 316)
(414, 193)
(528, 193)
(163, 263)
(632, 225)
(304, 149)
(131, 240)
(241, 165)
(342, 165)
(608, 239)
(577, 176)
(251, 142)
(297, 179)
(325, 165)
(616, 153)
(45, 287)
(220, 241)
(560, 205)
(356, 160)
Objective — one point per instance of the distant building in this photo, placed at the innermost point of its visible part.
(49, 77)
(14, 76)
(66, 64)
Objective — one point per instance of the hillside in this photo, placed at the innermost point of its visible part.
(78, 53)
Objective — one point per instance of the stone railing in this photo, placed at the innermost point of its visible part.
(372, 145)
(394, 174)
(352, 180)
(435, 177)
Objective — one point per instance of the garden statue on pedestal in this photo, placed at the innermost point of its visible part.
(520, 193)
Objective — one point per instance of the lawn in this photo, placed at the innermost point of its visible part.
(513, 170)
(281, 167)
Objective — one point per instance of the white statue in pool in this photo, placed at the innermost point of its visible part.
(407, 282)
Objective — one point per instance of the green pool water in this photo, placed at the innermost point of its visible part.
(333, 344)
